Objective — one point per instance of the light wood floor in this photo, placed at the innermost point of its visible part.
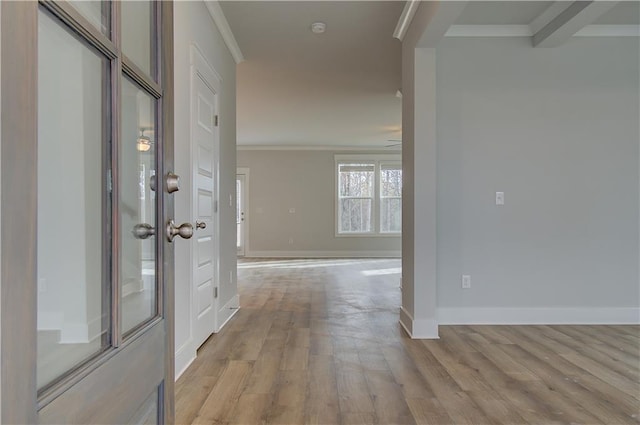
(319, 342)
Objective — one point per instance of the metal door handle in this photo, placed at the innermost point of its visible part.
(143, 231)
(201, 224)
(185, 230)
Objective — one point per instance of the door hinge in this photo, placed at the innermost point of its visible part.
(215, 119)
(215, 292)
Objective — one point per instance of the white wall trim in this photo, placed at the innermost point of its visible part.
(228, 311)
(185, 355)
(609, 31)
(315, 148)
(225, 30)
(406, 17)
(323, 254)
(132, 286)
(418, 329)
(539, 316)
(489, 31)
(50, 320)
(526, 31)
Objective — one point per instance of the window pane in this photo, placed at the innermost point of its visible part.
(391, 182)
(391, 215)
(356, 180)
(73, 214)
(96, 12)
(137, 205)
(137, 27)
(355, 215)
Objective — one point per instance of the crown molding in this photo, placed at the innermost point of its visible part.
(609, 31)
(489, 31)
(406, 17)
(225, 30)
(526, 31)
(316, 148)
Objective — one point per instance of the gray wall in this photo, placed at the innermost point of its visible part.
(304, 180)
(557, 130)
(193, 24)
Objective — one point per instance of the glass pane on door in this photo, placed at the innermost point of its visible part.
(96, 12)
(137, 205)
(137, 26)
(73, 211)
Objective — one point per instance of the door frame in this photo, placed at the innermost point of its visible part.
(18, 221)
(201, 68)
(244, 171)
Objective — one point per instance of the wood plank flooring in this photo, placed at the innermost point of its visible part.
(318, 342)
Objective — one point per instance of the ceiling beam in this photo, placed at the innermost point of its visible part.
(568, 21)
(406, 17)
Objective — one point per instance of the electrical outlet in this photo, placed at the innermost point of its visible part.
(466, 281)
(499, 198)
(292, 210)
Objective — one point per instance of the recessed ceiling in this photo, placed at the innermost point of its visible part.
(300, 88)
(339, 87)
(624, 13)
(502, 12)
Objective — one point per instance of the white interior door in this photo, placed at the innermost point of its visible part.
(242, 178)
(205, 144)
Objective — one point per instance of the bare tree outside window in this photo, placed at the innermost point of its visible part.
(356, 190)
(390, 198)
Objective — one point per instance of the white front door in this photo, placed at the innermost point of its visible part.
(205, 144)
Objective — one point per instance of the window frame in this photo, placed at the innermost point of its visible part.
(377, 160)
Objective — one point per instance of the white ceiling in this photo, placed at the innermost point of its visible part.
(339, 88)
(300, 88)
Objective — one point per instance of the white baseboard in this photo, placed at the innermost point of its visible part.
(50, 320)
(81, 333)
(132, 286)
(228, 311)
(539, 316)
(323, 254)
(418, 329)
(185, 355)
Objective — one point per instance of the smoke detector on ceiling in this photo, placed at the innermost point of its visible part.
(318, 27)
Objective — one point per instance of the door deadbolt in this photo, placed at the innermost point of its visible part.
(173, 182)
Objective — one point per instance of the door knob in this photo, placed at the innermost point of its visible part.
(143, 231)
(201, 224)
(185, 230)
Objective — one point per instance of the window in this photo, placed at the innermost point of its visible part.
(369, 195)
(390, 198)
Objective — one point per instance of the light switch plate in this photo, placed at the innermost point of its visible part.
(499, 198)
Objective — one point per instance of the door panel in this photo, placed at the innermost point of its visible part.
(205, 138)
(86, 151)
